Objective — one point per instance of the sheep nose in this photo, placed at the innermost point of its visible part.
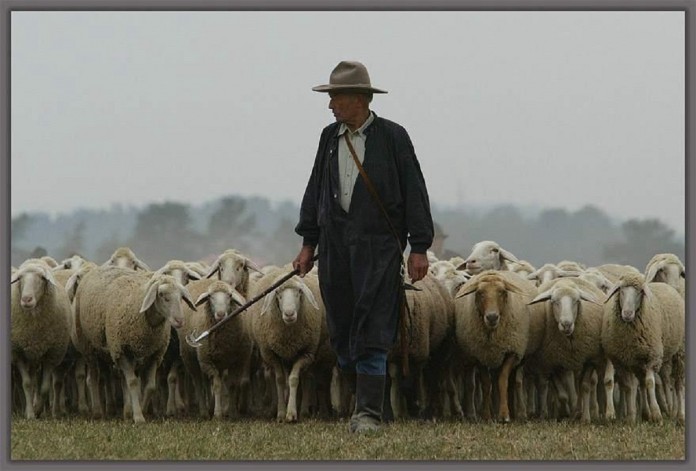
(628, 315)
(492, 317)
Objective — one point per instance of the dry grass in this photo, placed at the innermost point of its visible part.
(80, 439)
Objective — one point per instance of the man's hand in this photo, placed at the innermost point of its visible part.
(303, 261)
(417, 266)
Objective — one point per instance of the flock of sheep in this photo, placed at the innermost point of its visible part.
(489, 337)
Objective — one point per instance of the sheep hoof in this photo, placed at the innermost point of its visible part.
(291, 417)
(139, 419)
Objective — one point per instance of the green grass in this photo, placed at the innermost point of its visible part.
(180, 439)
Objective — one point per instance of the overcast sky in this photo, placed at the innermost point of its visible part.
(558, 109)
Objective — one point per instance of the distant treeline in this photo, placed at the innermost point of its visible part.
(265, 231)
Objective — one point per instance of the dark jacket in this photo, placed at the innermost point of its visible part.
(390, 162)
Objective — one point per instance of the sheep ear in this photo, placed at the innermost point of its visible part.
(584, 295)
(202, 298)
(48, 276)
(150, 296)
(16, 276)
(71, 286)
(646, 291)
(614, 290)
(652, 272)
(108, 263)
(213, 268)
(252, 266)
(567, 273)
(192, 274)
(268, 302)
(462, 266)
(142, 265)
(308, 294)
(466, 290)
(541, 297)
(506, 255)
(512, 287)
(533, 276)
(186, 296)
(238, 298)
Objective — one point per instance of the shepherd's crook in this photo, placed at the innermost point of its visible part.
(195, 342)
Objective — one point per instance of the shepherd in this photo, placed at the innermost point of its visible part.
(360, 226)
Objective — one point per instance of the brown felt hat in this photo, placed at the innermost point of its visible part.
(349, 75)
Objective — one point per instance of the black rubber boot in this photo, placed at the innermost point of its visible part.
(369, 399)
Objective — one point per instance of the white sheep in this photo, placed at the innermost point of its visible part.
(487, 255)
(228, 349)
(287, 329)
(572, 339)
(74, 262)
(613, 271)
(131, 313)
(39, 311)
(125, 258)
(667, 268)
(642, 334)
(522, 268)
(233, 267)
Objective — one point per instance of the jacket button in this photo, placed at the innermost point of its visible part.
(335, 196)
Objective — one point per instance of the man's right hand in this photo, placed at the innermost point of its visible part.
(303, 261)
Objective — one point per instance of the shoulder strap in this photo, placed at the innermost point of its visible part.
(372, 190)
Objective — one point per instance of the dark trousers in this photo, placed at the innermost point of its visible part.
(359, 278)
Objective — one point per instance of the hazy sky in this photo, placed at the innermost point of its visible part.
(554, 109)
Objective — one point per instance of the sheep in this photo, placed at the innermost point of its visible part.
(548, 272)
(171, 363)
(39, 311)
(522, 268)
(494, 326)
(199, 267)
(234, 268)
(613, 271)
(569, 265)
(227, 349)
(125, 258)
(667, 268)
(487, 255)
(73, 262)
(572, 339)
(643, 333)
(50, 261)
(596, 277)
(137, 310)
(430, 326)
(287, 330)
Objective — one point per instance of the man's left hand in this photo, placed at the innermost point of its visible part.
(417, 266)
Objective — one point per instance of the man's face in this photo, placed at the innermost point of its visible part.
(346, 107)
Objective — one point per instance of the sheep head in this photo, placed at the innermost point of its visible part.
(180, 271)
(550, 272)
(565, 299)
(289, 298)
(164, 294)
(487, 255)
(631, 289)
(232, 267)
(125, 258)
(665, 268)
(491, 296)
(220, 298)
(34, 279)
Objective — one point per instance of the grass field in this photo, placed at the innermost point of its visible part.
(80, 439)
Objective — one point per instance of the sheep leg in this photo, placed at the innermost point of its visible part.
(93, 382)
(244, 386)
(43, 397)
(594, 403)
(665, 377)
(294, 381)
(453, 394)
(28, 385)
(280, 381)
(172, 391)
(569, 381)
(133, 383)
(150, 389)
(521, 400)
(562, 395)
(609, 412)
(217, 394)
(469, 386)
(58, 406)
(655, 415)
(486, 390)
(80, 378)
(632, 392)
(394, 392)
(585, 393)
(503, 378)
(543, 397)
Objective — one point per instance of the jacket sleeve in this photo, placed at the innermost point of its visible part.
(308, 226)
(419, 222)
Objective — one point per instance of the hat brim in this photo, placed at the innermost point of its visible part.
(357, 87)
